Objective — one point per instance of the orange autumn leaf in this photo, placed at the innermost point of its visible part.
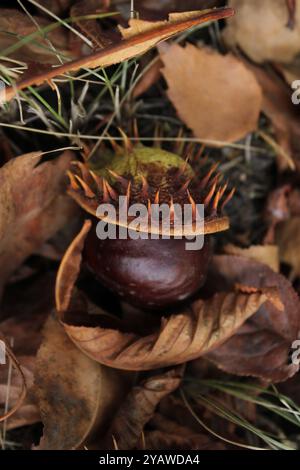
(215, 95)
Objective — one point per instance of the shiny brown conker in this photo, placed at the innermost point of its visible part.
(151, 274)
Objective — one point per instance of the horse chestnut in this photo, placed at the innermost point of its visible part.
(149, 273)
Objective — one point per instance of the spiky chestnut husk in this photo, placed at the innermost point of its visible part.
(148, 273)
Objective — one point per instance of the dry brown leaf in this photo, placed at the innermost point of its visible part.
(33, 207)
(139, 407)
(260, 29)
(278, 107)
(138, 38)
(15, 25)
(266, 254)
(76, 396)
(222, 101)
(261, 347)
(287, 236)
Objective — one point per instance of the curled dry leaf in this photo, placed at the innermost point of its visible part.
(267, 254)
(33, 207)
(137, 39)
(181, 337)
(69, 269)
(261, 347)
(14, 23)
(76, 396)
(222, 109)
(267, 22)
(139, 407)
(287, 236)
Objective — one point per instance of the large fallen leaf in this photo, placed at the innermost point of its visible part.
(260, 29)
(179, 338)
(261, 347)
(76, 396)
(33, 207)
(137, 39)
(288, 239)
(222, 101)
(139, 407)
